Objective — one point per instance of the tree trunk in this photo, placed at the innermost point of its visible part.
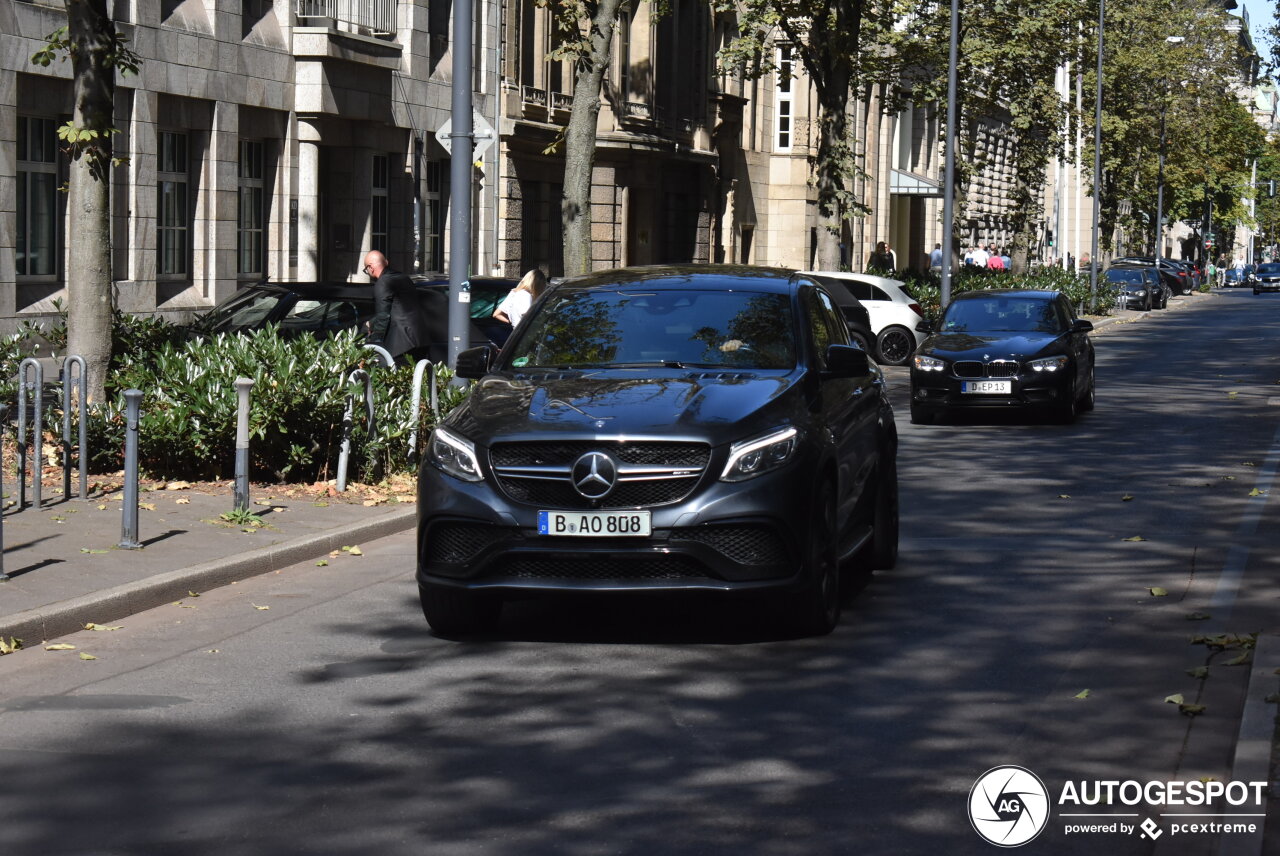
(89, 303)
(580, 139)
(834, 158)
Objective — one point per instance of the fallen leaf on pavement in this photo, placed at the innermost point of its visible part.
(1136, 538)
(1156, 591)
(356, 551)
(192, 593)
(92, 626)
(1256, 492)
(84, 656)
(102, 508)
(406, 499)
(1064, 496)
(1238, 661)
(1191, 709)
(10, 646)
(87, 550)
(1176, 698)
(320, 504)
(149, 506)
(255, 606)
(322, 563)
(212, 651)
(60, 646)
(182, 500)
(177, 485)
(1127, 497)
(1200, 672)
(1082, 694)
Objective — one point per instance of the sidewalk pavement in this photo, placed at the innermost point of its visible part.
(66, 569)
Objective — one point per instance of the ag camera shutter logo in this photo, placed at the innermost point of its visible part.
(1008, 806)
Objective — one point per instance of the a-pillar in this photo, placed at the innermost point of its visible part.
(308, 200)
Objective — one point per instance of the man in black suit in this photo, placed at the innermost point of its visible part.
(398, 323)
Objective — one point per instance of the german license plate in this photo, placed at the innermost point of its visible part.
(595, 524)
(986, 387)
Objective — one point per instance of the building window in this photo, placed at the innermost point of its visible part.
(784, 114)
(37, 239)
(378, 204)
(173, 207)
(433, 233)
(250, 228)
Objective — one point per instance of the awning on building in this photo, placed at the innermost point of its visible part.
(909, 184)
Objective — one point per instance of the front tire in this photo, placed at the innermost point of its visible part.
(895, 344)
(1089, 399)
(817, 608)
(860, 340)
(454, 612)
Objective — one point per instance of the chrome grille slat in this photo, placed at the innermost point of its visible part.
(649, 472)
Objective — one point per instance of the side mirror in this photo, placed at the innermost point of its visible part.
(846, 361)
(1082, 325)
(925, 326)
(474, 363)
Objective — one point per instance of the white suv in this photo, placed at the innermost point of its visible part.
(894, 313)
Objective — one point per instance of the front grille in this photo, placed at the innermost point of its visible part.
(456, 543)
(975, 369)
(687, 455)
(587, 568)
(649, 473)
(746, 545)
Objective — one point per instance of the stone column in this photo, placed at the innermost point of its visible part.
(221, 184)
(8, 191)
(143, 146)
(308, 200)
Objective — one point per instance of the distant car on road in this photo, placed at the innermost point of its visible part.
(1266, 278)
(1173, 273)
(893, 312)
(1005, 349)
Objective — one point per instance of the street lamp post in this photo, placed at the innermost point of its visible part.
(1097, 166)
(949, 171)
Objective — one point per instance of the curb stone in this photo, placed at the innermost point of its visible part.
(69, 616)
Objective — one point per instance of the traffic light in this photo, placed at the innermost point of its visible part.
(1050, 236)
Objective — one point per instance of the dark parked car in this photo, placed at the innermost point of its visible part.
(702, 428)
(1133, 288)
(1266, 277)
(1173, 273)
(1007, 348)
(325, 308)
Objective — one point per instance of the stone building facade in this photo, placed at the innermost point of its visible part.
(264, 139)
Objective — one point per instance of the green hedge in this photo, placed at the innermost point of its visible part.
(928, 290)
(188, 425)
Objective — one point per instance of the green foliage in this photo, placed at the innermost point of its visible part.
(927, 290)
(187, 427)
(14, 348)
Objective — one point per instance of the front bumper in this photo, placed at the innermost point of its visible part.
(724, 537)
(1261, 285)
(1132, 301)
(944, 391)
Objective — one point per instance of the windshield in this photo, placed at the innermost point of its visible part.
(1001, 315)
(246, 310)
(1269, 268)
(676, 327)
(1125, 275)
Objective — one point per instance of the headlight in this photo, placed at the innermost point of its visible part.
(1141, 292)
(930, 364)
(1048, 364)
(454, 455)
(751, 458)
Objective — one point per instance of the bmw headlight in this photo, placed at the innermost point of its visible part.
(751, 458)
(1141, 292)
(1048, 364)
(930, 364)
(454, 455)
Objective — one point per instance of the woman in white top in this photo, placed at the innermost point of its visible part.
(519, 299)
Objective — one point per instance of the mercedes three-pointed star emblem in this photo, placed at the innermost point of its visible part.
(594, 475)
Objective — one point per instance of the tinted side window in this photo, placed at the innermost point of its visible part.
(877, 293)
(839, 332)
(819, 330)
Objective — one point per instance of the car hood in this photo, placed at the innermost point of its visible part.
(717, 406)
(996, 346)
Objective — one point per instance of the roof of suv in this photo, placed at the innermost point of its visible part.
(745, 277)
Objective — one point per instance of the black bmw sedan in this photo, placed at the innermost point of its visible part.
(1005, 348)
(675, 429)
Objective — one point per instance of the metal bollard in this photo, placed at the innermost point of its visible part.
(348, 422)
(418, 370)
(129, 513)
(387, 360)
(243, 387)
(23, 385)
(4, 429)
(67, 376)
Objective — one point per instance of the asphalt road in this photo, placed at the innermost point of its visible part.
(311, 711)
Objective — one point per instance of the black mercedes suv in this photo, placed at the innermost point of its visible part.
(697, 428)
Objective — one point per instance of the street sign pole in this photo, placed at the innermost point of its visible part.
(460, 181)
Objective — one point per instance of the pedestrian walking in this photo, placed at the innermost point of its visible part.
(518, 300)
(979, 256)
(935, 258)
(880, 261)
(1004, 257)
(398, 323)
